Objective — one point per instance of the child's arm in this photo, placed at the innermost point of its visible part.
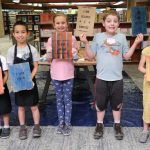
(5, 77)
(89, 52)
(141, 66)
(49, 49)
(75, 48)
(131, 50)
(35, 69)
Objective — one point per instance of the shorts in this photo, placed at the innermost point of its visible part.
(109, 91)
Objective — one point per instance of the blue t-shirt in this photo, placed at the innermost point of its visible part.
(109, 59)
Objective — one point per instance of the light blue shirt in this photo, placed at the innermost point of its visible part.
(109, 56)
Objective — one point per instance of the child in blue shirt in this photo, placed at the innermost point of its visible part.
(109, 48)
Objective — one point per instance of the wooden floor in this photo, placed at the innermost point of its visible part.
(80, 139)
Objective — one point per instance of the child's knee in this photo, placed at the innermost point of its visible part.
(117, 107)
(34, 108)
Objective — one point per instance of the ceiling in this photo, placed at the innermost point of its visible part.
(8, 4)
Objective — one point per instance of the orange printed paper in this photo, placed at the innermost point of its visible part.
(62, 45)
(1, 82)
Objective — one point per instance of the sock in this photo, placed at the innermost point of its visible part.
(98, 121)
(117, 121)
(0, 127)
(6, 126)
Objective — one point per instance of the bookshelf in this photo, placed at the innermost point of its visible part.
(32, 20)
(6, 22)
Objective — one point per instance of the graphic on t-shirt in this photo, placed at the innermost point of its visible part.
(109, 43)
(24, 56)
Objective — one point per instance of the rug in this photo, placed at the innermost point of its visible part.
(83, 113)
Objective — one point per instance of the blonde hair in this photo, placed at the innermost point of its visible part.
(113, 13)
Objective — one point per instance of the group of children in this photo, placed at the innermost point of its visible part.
(109, 48)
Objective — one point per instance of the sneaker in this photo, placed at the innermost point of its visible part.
(36, 131)
(67, 130)
(59, 129)
(118, 131)
(23, 132)
(144, 136)
(99, 130)
(5, 133)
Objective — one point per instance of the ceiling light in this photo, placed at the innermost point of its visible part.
(16, 1)
(119, 3)
(82, 3)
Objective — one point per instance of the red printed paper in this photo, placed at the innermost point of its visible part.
(62, 45)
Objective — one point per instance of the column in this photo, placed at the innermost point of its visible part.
(1, 21)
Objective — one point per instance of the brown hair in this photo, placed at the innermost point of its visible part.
(20, 23)
(113, 13)
(61, 14)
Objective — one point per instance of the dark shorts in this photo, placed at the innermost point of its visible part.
(109, 91)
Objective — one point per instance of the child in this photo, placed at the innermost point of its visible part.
(5, 103)
(146, 97)
(110, 48)
(62, 74)
(22, 52)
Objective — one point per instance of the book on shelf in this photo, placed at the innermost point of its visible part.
(30, 19)
(36, 27)
(37, 19)
(46, 18)
(24, 19)
(29, 26)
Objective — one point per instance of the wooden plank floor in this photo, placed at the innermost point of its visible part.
(80, 139)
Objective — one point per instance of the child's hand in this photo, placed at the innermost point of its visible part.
(83, 38)
(2, 92)
(139, 38)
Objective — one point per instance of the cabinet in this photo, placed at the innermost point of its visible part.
(32, 20)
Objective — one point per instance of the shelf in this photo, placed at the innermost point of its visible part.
(32, 21)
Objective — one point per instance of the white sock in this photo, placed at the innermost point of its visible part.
(98, 121)
(6, 126)
(117, 121)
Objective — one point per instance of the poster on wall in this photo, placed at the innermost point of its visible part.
(20, 77)
(62, 45)
(85, 20)
(139, 20)
(1, 82)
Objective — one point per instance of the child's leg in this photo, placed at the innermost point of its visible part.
(21, 115)
(6, 130)
(145, 126)
(116, 116)
(145, 133)
(100, 116)
(36, 118)
(36, 114)
(1, 122)
(67, 90)
(6, 119)
(23, 130)
(58, 85)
